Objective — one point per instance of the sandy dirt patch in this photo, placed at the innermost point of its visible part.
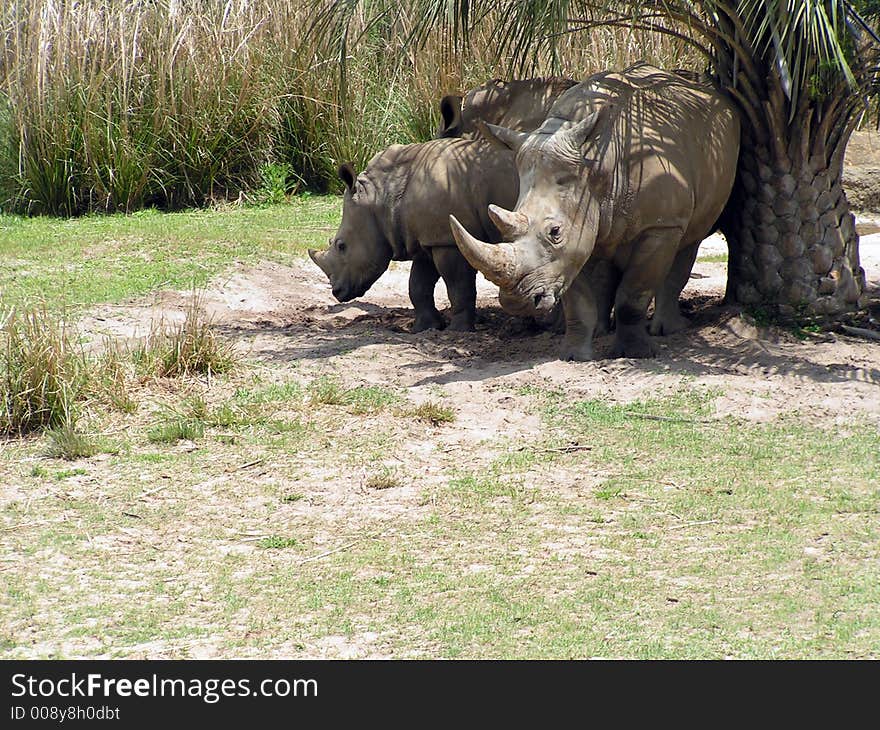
(285, 314)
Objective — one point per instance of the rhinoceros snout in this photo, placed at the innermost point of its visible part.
(543, 301)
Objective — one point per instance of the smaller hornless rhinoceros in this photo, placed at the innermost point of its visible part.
(521, 104)
(398, 209)
(618, 187)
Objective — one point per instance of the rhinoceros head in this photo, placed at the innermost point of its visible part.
(359, 253)
(551, 233)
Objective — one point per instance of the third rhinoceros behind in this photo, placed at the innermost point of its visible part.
(398, 209)
(520, 104)
(629, 172)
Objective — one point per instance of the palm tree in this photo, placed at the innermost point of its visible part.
(802, 73)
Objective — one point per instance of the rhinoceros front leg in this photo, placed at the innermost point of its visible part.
(581, 316)
(587, 307)
(645, 272)
(668, 318)
(423, 278)
(461, 286)
(603, 278)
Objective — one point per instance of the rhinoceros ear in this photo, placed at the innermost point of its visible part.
(348, 175)
(579, 133)
(450, 113)
(508, 137)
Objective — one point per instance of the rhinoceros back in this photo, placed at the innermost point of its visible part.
(675, 121)
(420, 185)
(521, 104)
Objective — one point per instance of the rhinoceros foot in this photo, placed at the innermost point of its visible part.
(634, 347)
(428, 321)
(582, 352)
(462, 323)
(668, 324)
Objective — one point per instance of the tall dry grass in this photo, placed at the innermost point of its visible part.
(119, 104)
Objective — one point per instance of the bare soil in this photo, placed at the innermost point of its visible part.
(284, 314)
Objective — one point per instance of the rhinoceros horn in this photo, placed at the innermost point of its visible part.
(497, 262)
(318, 258)
(510, 224)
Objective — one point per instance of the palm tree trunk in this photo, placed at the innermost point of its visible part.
(791, 234)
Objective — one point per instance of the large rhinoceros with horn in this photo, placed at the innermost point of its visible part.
(520, 104)
(618, 187)
(398, 209)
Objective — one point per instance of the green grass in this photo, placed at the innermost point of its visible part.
(431, 412)
(651, 529)
(667, 539)
(43, 374)
(178, 429)
(110, 258)
(359, 400)
(713, 258)
(271, 393)
(65, 442)
(276, 542)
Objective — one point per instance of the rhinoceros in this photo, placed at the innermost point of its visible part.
(398, 209)
(618, 187)
(520, 104)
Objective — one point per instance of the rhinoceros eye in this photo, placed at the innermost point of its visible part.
(340, 246)
(554, 232)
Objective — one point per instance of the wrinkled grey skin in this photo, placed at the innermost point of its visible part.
(398, 209)
(618, 187)
(522, 104)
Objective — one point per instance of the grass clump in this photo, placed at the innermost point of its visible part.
(368, 399)
(66, 442)
(385, 479)
(185, 425)
(42, 373)
(360, 400)
(431, 412)
(327, 391)
(276, 542)
(188, 348)
(180, 429)
(112, 376)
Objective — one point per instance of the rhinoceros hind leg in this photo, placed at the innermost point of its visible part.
(668, 318)
(423, 278)
(461, 286)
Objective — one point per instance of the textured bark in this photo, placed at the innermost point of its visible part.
(792, 236)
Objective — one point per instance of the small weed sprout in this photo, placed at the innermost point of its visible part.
(276, 542)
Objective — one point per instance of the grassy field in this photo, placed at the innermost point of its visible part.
(109, 258)
(292, 509)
